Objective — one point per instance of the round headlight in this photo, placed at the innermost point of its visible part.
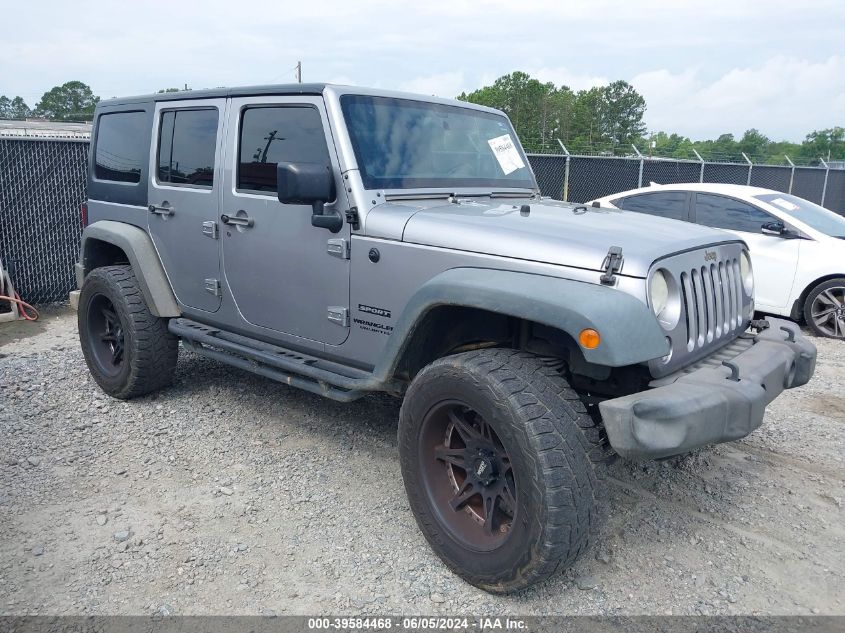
(658, 293)
(747, 273)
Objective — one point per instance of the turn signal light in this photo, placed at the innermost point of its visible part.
(589, 338)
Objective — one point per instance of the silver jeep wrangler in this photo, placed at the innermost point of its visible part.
(347, 241)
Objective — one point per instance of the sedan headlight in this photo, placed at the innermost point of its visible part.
(747, 273)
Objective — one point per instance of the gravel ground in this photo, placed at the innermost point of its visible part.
(231, 494)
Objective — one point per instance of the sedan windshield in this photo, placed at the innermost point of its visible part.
(402, 144)
(811, 214)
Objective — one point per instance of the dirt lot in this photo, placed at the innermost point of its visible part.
(229, 493)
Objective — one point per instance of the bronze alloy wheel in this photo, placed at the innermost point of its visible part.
(467, 474)
(495, 454)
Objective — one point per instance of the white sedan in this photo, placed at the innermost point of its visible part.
(797, 247)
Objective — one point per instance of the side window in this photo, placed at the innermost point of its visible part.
(725, 213)
(666, 204)
(120, 146)
(186, 147)
(274, 134)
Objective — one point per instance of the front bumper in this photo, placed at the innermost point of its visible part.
(720, 399)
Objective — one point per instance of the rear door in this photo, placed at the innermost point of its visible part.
(775, 259)
(184, 197)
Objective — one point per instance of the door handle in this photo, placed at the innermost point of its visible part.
(234, 220)
(161, 210)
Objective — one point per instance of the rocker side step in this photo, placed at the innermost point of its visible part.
(317, 375)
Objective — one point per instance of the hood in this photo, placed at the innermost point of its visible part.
(552, 232)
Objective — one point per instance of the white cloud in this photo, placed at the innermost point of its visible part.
(681, 53)
(564, 76)
(447, 85)
(784, 97)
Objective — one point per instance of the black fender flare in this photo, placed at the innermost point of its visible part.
(630, 333)
(142, 256)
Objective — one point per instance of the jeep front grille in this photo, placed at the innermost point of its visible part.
(708, 305)
(712, 301)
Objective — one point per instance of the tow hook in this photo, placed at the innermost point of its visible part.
(759, 325)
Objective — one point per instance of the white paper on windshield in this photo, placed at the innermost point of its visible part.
(786, 205)
(505, 152)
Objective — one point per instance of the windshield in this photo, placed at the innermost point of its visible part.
(807, 212)
(401, 143)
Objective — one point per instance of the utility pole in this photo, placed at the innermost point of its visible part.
(262, 156)
(299, 72)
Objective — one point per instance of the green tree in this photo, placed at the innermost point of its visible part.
(608, 119)
(671, 146)
(72, 101)
(723, 148)
(777, 151)
(600, 117)
(13, 108)
(587, 123)
(827, 144)
(622, 111)
(754, 144)
(531, 105)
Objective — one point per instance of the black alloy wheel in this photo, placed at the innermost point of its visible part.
(129, 350)
(105, 331)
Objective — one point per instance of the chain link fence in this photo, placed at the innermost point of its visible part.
(42, 188)
(584, 178)
(43, 185)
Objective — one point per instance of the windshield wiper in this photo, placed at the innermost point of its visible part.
(418, 195)
(512, 194)
(422, 195)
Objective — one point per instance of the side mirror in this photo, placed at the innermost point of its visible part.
(309, 183)
(776, 229)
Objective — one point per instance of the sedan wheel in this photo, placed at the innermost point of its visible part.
(824, 309)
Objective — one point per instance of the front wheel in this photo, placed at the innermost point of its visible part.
(129, 351)
(496, 467)
(824, 308)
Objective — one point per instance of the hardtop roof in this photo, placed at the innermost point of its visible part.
(212, 93)
(315, 89)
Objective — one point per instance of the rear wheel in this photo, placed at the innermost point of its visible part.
(824, 308)
(496, 467)
(129, 351)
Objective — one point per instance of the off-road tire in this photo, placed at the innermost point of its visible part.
(549, 437)
(835, 284)
(149, 350)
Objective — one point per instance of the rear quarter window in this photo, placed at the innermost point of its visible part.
(120, 152)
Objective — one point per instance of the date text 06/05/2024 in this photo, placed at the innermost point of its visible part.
(416, 623)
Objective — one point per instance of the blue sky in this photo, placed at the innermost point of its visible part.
(705, 68)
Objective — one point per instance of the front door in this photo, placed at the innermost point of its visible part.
(284, 274)
(184, 196)
(775, 259)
